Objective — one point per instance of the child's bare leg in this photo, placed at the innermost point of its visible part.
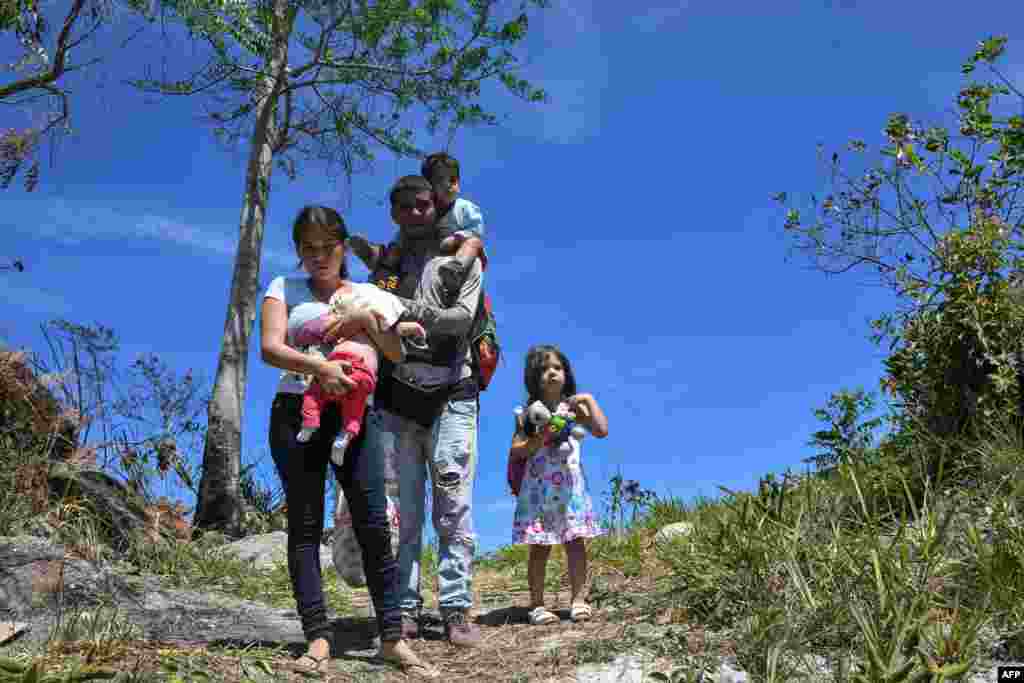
(576, 556)
(451, 243)
(536, 569)
(469, 250)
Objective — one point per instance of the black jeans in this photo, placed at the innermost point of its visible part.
(303, 471)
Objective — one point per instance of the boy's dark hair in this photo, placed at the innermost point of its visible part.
(535, 362)
(414, 183)
(442, 159)
(320, 221)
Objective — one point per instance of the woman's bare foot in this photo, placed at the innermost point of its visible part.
(399, 653)
(316, 657)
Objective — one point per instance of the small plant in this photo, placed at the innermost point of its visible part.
(100, 634)
(768, 645)
(623, 493)
(847, 436)
(80, 530)
(594, 652)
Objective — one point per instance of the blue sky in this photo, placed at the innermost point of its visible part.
(629, 221)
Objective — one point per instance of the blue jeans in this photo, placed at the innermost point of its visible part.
(447, 453)
(302, 468)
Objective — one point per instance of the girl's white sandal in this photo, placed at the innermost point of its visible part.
(541, 616)
(580, 612)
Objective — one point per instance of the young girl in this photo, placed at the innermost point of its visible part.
(553, 503)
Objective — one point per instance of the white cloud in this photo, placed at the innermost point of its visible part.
(72, 223)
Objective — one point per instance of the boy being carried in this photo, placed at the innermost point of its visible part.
(460, 225)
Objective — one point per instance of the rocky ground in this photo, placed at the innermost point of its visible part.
(198, 630)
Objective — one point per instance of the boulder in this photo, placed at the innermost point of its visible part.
(37, 526)
(266, 550)
(670, 531)
(120, 511)
(38, 582)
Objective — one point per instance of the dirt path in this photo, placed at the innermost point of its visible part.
(512, 649)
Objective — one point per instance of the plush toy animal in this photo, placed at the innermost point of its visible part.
(559, 425)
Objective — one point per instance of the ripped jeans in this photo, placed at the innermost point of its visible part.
(447, 452)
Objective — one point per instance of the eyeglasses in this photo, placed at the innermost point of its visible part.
(314, 250)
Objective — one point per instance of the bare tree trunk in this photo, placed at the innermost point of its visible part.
(219, 504)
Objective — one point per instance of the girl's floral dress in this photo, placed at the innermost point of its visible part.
(554, 505)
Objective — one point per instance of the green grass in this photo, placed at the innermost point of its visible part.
(901, 577)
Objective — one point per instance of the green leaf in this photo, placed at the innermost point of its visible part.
(32, 675)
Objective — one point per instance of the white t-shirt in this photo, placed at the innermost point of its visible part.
(306, 319)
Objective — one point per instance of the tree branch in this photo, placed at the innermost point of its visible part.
(57, 69)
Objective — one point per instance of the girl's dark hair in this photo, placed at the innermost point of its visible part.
(323, 222)
(534, 364)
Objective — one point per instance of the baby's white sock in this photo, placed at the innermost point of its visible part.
(339, 448)
(305, 434)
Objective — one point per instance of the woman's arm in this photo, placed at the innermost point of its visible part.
(589, 414)
(275, 351)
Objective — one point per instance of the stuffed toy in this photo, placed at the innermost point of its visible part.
(559, 426)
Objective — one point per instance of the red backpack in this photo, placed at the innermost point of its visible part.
(483, 346)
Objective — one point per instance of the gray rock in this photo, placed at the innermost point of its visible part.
(266, 550)
(35, 526)
(670, 531)
(118, 508)
(37, 580)
(11, 629)
(633, 668)
(726, 674)
(990, 674)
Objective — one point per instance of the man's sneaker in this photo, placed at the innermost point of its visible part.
(410, 626)
(459, 630)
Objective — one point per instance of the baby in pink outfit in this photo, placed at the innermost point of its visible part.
(359, 351)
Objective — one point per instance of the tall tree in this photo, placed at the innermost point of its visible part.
(330, 81)
(35, 82)
(939, 220)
